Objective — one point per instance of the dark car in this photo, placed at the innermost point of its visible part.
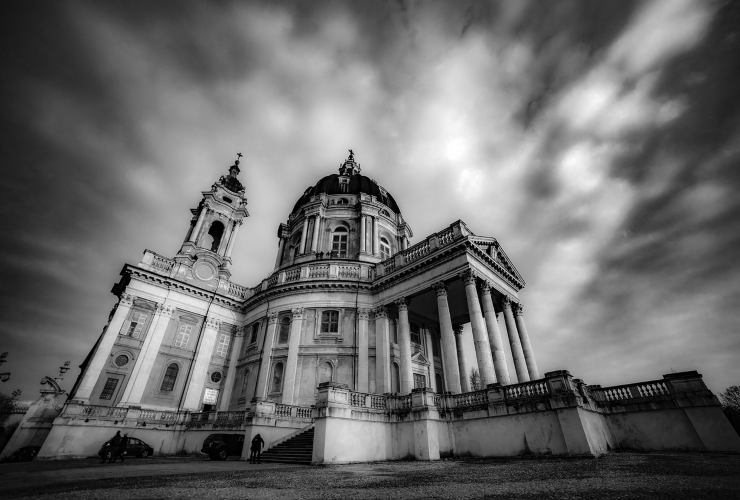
(24, 454)
(135, 448)
(221, 446)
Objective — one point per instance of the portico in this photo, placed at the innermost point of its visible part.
(451, 279)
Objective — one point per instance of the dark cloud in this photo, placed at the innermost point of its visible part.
(595, 140)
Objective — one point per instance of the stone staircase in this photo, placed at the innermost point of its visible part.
(296, 450)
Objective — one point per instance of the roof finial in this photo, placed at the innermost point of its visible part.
(351, 155)
(238, 157)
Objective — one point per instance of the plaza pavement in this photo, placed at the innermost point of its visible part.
(618, 475)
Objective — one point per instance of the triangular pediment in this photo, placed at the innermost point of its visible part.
(492, 248)
(418, 357)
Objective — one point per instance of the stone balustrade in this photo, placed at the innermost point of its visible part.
(158, 263)
(322, 270)
(456, 231)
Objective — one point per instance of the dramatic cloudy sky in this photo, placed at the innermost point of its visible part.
(599, 141)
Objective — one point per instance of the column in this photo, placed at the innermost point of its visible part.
(281, 247)
(363, 235)
(291, 365)
(236, 349)
(534, 372)
(315, 238)
(376, 241)
(263, 380)
(494, 336)
(232, 239)
(516, 347)
(480, 333)
(142, 371)
(362, 350)
(103, 350)
(302, 249)
(404, 344)
(462, 361)
(382, 352)
(447, 341)
(430, 357)
(404, 242)
(199, 370)
(198, 224)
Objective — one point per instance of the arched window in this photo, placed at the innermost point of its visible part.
(277, 378)
(170, 376)
(284, 333)
(339, 242)
(395, 378)
(385, 248)
(326, 371)
(216, 231)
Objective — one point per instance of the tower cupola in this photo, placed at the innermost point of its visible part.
(206, 252)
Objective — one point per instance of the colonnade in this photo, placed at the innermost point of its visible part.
(487, 339)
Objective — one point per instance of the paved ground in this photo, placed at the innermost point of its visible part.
(619, 475)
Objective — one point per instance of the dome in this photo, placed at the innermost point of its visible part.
(357, 184)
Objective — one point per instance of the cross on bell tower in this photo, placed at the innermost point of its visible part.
(207, 248)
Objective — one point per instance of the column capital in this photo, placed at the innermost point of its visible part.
(297, 312)
(485, 287)
(401, 304)
(126, 299)
(213, 322)
(380, 312)
(441, 289)
(469, 276)
(272, 317)
(519, 309)
(363, 314)
(458, 329)
(506, 302)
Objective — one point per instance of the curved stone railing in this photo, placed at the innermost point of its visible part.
(320, 270)
(158, 263)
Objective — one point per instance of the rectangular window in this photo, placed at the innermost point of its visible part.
(182, 337)
(136, 326)
(339, 245)
(330, 322)
(420, 381)
(109, 388)
(222, 347)
(253, 335)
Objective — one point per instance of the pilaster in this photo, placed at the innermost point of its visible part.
(404, 343)
(199, 371)
(362, 350)
(291, 365)
(267, 343)
(382, 352)
(103, 350)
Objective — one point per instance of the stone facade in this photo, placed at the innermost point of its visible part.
(354, 330)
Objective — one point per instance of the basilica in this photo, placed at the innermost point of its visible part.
(354, 339)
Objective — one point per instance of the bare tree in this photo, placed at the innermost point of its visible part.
(731, 397)
(475, 381)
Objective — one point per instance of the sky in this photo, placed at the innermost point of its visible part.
(598, 141)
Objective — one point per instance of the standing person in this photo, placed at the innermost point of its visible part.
(111, 448)
(256, 449)
(122, 447)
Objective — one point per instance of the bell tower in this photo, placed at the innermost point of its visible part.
(213, 227)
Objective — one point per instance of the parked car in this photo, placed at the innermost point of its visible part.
(24, 454)
(221, 446)
(135, 448)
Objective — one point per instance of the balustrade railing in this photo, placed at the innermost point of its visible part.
(640, 390)
(351, 272)
(293, 274)
(535, 388)
(471, 399)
